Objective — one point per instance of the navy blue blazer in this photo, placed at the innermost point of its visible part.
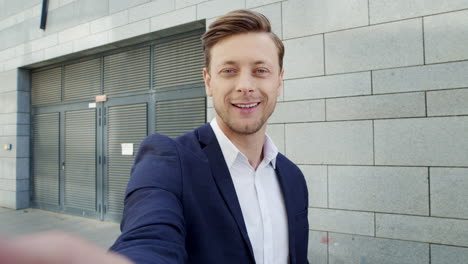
(181, 205)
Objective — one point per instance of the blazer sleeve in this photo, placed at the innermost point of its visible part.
(153, 229)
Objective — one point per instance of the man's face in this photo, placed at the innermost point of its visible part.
(244, 80)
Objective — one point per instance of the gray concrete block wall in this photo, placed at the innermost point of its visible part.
(381, 134)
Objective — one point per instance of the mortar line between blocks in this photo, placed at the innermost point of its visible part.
(423, 41)
(429, 189)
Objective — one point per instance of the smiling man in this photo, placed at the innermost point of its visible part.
(222, 193)
(219, 194)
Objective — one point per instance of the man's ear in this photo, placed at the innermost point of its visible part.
(280, 80)
(207, 79)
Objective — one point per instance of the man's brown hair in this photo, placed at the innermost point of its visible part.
(238, 22)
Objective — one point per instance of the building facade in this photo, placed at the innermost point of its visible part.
(374, 111)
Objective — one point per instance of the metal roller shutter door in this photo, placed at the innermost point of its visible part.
(80, 160)
(126, 124)
(177, 117)
(127, 71)
(46, 160)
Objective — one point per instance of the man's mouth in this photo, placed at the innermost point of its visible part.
(246, 106)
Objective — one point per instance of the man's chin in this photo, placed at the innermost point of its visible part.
(246, 129)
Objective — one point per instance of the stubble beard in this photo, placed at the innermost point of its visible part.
(242, 129)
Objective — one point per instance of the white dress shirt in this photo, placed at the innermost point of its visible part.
(261, 199)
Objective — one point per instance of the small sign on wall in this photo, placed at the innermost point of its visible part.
(127, 149)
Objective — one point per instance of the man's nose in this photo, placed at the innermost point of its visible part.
(245, 83)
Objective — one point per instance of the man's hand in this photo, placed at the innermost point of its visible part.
(55, 248)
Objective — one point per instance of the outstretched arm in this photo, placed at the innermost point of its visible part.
(55, 248)
(153, 227)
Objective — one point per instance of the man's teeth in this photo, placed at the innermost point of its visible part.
(246, 105)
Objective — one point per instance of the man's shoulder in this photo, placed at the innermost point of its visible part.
(283, 161)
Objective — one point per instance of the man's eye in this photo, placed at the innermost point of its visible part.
(262, 71)
(228, 71)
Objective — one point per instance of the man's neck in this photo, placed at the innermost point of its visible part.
(250, 145)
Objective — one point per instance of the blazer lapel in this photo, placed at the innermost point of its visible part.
(288, 193)
(223, 179)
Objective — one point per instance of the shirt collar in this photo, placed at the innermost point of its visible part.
(230, 151)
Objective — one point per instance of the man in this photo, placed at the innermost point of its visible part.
(222, 193)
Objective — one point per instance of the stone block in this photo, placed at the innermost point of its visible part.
(14, 7)
(422, 229)
(449, 102)
(14, 185)
(8, 185)
(23, 101)
(422, 141)
(276, 133)
(174, 18)
(256, 3)
(402, 190)
(286, 112)
(130, 30)
(317, 251)
(448, 255)
(376, 106)
(421, 78)
(119, 5)
(303, 57)
(23, 130)
(360, 249)
(8, 118)
(23, 118)
(150, 9)
(63, 18)
(7, 54)
(382, 46)
(273, 13)
(184, 3)
(8, 199)
(109, 22)
(8, 102)
(446, 37)
(8, 168)
(22, 168)
(88, 10)
(42, 43)
(8, 81)
(384, 11)
(306, 17)
(7, 130)
(92, 41)
(12, 36)
(22, 149)
(328, 86)
(350, 222)
(449, 193)
(22, 199)
(73, 33)
(212, 9)
(330, 143)
(8, 22)
(316, 179)
(59, 50)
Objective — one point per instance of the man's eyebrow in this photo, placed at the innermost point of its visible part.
(234, 63)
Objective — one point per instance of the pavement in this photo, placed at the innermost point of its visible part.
(27, 221)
